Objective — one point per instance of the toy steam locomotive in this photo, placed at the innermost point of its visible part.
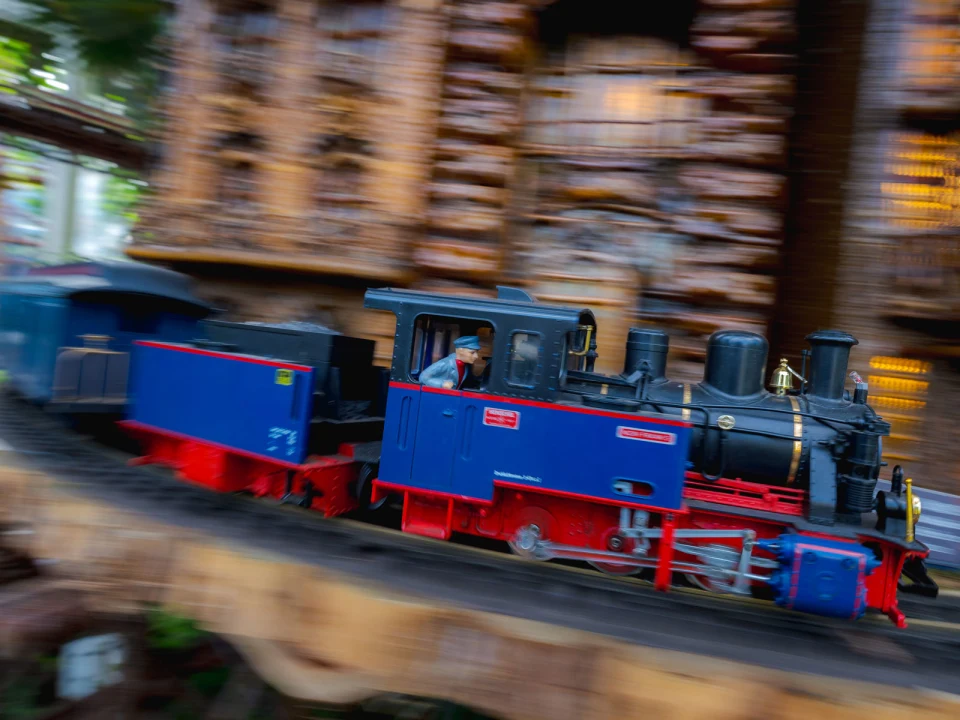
(739, 489)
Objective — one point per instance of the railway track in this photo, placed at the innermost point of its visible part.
(925, 655)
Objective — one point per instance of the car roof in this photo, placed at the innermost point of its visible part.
(104, 277)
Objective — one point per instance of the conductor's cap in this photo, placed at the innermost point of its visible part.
(470, 342)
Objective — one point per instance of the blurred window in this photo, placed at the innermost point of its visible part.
(524, 359)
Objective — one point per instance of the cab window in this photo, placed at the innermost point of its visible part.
(433, 338)
(524, 359)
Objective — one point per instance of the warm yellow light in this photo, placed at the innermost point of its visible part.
(929, 140)
(928, 197)
(910, 189)
(914, 224)
(921, 204)
(894, 403)
(893, 384)
(901, 365)
(924, 156)
(921, 171)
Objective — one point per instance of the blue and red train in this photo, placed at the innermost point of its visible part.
(734, 487)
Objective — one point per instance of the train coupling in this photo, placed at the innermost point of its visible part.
(915, 569)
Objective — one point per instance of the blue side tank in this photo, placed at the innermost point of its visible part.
(821, 577)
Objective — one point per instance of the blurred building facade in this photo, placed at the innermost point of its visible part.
(623, 155)
(630, 156)
(69, 155)
(898, 282)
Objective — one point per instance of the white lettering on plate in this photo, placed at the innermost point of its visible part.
(495, 417)
(654, 436)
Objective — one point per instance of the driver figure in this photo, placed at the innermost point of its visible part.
(450, 371)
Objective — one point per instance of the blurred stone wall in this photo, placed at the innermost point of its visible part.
(626, 156)
(694, 165)
(897, 277)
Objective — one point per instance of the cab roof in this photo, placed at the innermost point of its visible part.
(509, 303)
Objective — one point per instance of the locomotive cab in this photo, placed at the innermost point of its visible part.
(526, 348)
(504, 427)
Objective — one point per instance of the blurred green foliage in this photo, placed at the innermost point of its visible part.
(120, 43)
(14, 57)
(112, 36)
(21, 49)
(120, 198)
(20, 700)
(168, 631)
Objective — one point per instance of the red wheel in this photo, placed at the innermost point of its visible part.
(530, 524)
(619, 570)
(612, 542)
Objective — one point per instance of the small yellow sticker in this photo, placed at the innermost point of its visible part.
(284, 377)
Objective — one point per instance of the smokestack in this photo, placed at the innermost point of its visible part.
(828, 362)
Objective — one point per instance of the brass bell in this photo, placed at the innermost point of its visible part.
(917, 509)
(782, 379)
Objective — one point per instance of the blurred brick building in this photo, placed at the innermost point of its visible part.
(898, 281)
(770, 165)
(619, 154)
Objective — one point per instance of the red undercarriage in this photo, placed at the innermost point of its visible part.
(584, 522)
(564, 519)
(228, 470)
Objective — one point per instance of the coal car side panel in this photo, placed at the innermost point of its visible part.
(257, 406)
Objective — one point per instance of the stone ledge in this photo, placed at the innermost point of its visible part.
(317, 636)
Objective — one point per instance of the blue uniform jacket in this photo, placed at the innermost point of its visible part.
(441, 371)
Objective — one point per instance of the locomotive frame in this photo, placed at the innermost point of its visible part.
(736, 488)
(623, 506)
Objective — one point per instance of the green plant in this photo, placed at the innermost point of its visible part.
(120, 43)
(22, 699)
(120, 198)
(210, 682)
(19, 701)
(112, 36)
(14, 57)
(169, 631)
(22, 50)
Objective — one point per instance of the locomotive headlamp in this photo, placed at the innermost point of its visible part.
(917, 509)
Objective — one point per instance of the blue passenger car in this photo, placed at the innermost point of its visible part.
(66, 331)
